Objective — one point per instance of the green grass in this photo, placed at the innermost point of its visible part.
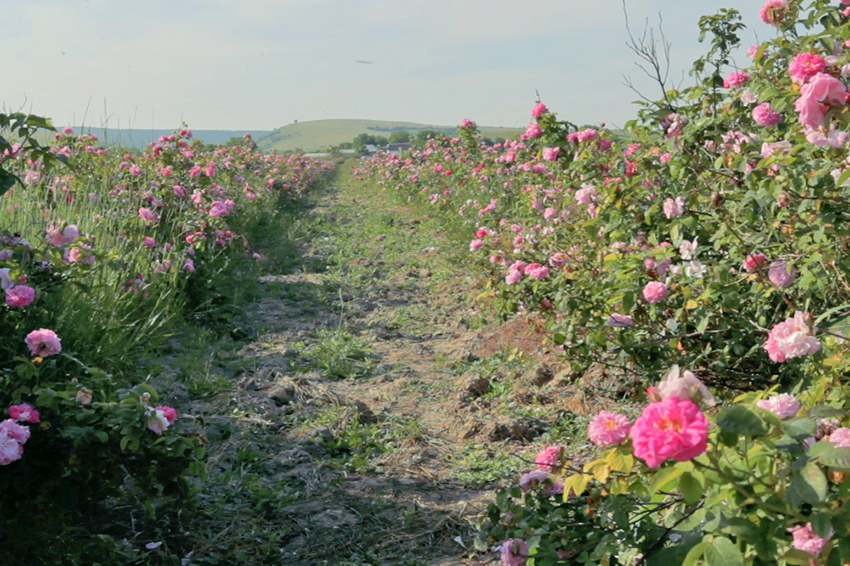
(336, 354)
(318, 134)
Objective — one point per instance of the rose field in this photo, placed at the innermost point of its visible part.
(584, 345)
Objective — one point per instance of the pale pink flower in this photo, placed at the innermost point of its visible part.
(68, 130)
(550, 213)
(536, 271)
(587, 194)
(672, 428)
(20, 295)
(551, 153)
(736, 79)
(754, 262)
(157, 420)
(765, 115)
(84, 396)
(805, 66)
(6, 279)
(840, 437)
(791, 339)
(12, 438)
(781, 273)
(815, 98)
(832, 137)
(684, 386)
(514, 552)
(687, 248)
(607, 429)
(780, 147)
(532, 478)
(559, 260)
(475, 244)
(43, 342)
(654, 292)
(674, 207)
(514, 276)
(588, 134)
(538, 110)
(148, 214)
(549, 459)
(806, 540)
(24, 413)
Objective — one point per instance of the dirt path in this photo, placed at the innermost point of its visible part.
(375, 409)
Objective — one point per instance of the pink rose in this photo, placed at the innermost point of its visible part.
(533, 130)
(674, 207)
(791, 339)
(43, 342)
(514, 276)
(538, 110)
(806, 540)
(765, 115)
(684, 386)
(170, 413)
(736, 79)
(754, 262)
(672, 428)
(20, 295)
(620, 320)
(805, 66)
(532, 478)
(654, 292)
(781, 273)
(549, 458)
(24, 412)
(607, 429)
(774, 12)
(551, 153)
(514, 552)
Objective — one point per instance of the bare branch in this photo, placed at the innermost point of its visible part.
(655, 54)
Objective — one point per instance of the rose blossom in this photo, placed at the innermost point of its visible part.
(791, 339)
(805, 66)
(686, 386)
(533, 130)
(773, 11)
(781, 273)
(84, 396)
(536, 271)
(654, 292)
(840, 437)
(736, 79)
(816, 96)
(532, 478)
(672, 428)
(160, 418)
(24, 412)
(43, 342)
(607, 428)
(514, 552)
(549, 458)
(587, 194)
(514, 276)
(12, 438)
(765, 115)
(65, 236)
(551, 153)
(806, 540)
(538, 110)
(674, 207)
(754, 262)
(20, 295)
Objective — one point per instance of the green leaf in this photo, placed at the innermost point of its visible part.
(740, 419)
(808, 484)
(7, 181)
(695, 554)
(821, 524)
(662, 477)
(723, 552)
(826, 411)
(691, 488)
(799, 428)
(836, 458)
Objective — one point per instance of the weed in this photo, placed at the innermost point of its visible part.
(336, 354)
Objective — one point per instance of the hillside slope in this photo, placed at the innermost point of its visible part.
(318, 134)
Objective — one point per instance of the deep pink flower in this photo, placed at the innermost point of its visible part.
(791, 339)
(514, 552)
(654, 292)
(607, 428)
(149, 242)
(736, 79)
(805, 66)
(43, 342)
(170, 413)
(24, 412)
(148, 214)
(160, 418)
(765, 115)
(20, 295)
(672, 428)
(536, 271)
(549, 459)
(754, 262)
(806, 540)
(538, 110)
(781, 273)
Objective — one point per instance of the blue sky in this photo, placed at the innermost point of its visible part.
(260, 64)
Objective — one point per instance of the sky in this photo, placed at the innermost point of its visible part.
(261, 64)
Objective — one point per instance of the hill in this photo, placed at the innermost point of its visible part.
(319, 134)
